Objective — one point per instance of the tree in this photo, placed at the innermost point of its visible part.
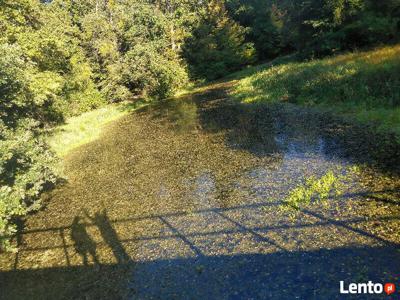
(321, 27)
(217, 45)
(262, 21)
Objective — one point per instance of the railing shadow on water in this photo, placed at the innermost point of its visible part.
(201, 275)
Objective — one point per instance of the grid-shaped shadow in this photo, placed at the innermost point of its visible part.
(198, 233)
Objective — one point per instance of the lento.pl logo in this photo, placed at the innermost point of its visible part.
(367, 288)
(389, 288)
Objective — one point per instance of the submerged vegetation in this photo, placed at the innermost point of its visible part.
(177, 185)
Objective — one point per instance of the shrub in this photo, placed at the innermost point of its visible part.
(27, 168)
(149, 72)
(217, 45)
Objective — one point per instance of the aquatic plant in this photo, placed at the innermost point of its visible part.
(314, 190)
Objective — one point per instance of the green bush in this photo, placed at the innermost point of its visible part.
(27, 168)
(217, 45)
(317, 28)
(152, 73)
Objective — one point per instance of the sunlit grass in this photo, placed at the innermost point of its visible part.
(364, 85)
(85, 128)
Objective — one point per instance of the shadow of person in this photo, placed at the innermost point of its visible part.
(109, 235)
(83, 243)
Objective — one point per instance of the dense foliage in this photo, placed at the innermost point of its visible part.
(217, 45)
(263, 23)
(316, 27)
(26, 169)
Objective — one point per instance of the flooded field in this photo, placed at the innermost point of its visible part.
(183, 200)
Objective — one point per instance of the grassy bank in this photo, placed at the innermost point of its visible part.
(86, 128)
(364, 85)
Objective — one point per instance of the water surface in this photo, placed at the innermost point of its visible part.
(183, 200)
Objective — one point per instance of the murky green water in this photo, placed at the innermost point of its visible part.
(182, 200)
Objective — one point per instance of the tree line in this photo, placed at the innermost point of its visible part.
(63, 57)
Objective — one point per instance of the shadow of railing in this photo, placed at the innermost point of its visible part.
(84, 245)
(201, 272)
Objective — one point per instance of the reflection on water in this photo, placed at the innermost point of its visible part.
(191, 189)
(285, 149)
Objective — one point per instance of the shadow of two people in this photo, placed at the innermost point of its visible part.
(86, 247)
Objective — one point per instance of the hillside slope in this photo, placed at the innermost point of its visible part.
(362, 84)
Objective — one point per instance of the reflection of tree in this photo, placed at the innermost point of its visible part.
(83, 243)
(245, 127)
(254, 131)
(181, 114)
(249, 139)
(234, 139)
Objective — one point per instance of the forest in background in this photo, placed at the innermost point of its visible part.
(62, 58)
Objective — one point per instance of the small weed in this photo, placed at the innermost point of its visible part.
(314, 190)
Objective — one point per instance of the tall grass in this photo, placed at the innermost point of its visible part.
(364, 84)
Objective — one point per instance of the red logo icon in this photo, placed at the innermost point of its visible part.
(389, 288)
